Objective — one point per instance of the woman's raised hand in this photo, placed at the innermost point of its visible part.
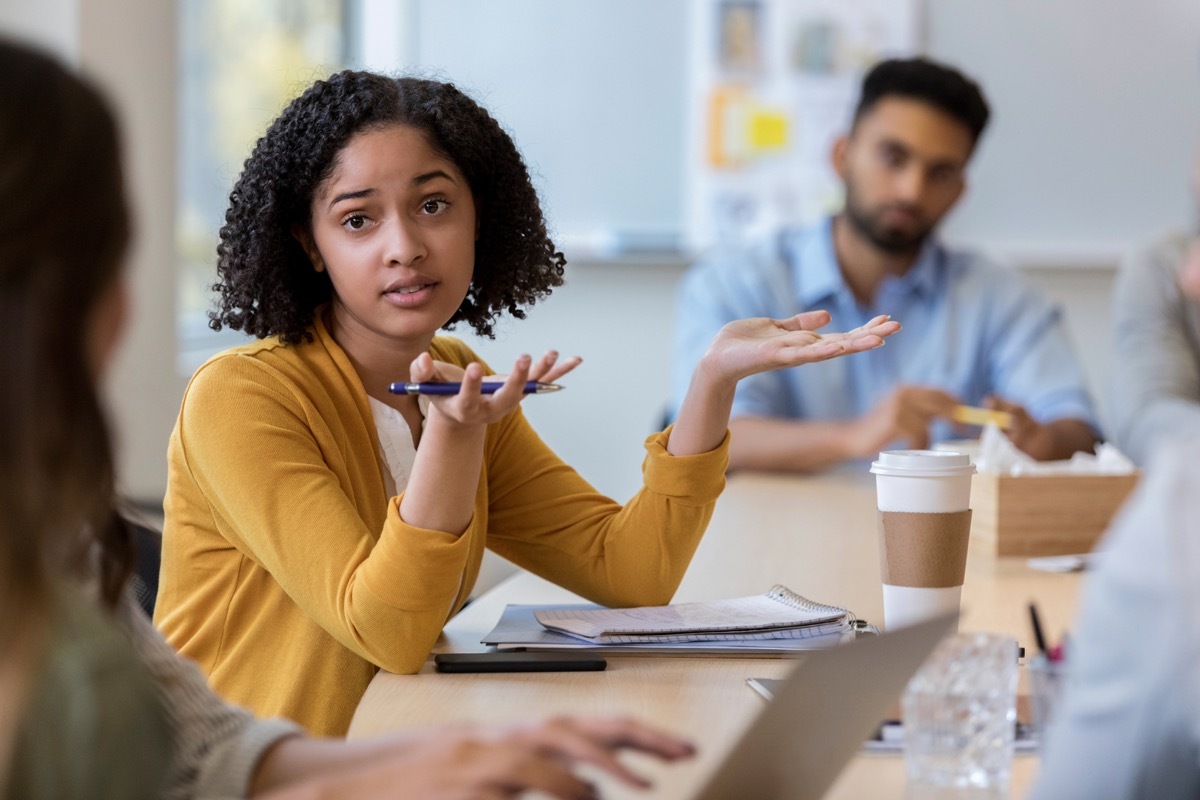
(748, 346)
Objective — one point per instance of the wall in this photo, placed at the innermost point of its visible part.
(54, 24)
(1096, 116)
(593, 92)
(617, 315)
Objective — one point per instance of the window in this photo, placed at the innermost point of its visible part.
(240, 64)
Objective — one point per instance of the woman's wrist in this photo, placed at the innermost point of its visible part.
(704, 415)
(711, 380)
(446, 425)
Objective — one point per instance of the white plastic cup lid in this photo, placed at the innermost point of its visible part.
(923, 464)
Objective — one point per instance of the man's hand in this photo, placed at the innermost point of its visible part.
(1023, 430)
(1055, 440)
(905, 414)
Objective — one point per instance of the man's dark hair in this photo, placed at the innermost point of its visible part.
(938, 85)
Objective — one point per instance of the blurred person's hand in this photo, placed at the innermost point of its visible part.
(1023, 430)
(1058, 439)
(476, 763)
(903, 415)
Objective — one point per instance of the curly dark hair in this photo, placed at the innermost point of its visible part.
(267, 283)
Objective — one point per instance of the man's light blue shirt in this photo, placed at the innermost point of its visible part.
(970, 327)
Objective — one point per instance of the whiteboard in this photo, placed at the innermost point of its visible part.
(1096, 112)
(1096, 120)
(593, 93)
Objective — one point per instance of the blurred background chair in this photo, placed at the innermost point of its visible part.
(148, 543)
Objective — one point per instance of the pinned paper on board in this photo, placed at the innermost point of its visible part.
(773, 85)
(742, 130)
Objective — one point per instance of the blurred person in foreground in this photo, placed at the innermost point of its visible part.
(1128, 722)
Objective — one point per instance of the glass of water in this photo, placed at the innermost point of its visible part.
(1046, 680)
(960, 713)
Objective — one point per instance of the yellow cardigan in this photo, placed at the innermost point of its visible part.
(288, 574)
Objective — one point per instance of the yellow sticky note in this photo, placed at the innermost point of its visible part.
(768, 130)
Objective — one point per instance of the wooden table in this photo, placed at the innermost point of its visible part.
(815, 535)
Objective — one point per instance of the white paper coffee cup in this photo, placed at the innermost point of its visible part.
(924, 501)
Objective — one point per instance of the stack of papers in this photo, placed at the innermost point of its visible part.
(777, 623)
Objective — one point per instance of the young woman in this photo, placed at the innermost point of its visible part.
(320, 527)
(93, 701)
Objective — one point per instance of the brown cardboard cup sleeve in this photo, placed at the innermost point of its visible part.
(925, 550)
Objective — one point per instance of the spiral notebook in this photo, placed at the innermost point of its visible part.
(517, 629)
(778, 614)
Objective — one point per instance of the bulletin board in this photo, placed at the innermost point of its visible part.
(772, 83)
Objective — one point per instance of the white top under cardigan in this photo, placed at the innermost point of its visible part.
(396, 445)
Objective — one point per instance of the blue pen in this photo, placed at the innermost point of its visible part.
(453, 387)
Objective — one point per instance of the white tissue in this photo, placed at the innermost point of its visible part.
(998, 455)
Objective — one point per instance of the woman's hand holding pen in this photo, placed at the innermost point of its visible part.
(472, 407)
(445, 475)
(748, 346)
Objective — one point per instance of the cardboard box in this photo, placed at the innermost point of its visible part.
(1044, 515)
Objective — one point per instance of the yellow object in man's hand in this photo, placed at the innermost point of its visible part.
(972, 415)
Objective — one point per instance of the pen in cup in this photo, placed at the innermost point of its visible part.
(1038, 637)
(453, 387)
(1051, 653)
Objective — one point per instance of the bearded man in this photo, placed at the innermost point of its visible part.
(975, 333)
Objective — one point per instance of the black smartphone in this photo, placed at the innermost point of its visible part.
(518, 661)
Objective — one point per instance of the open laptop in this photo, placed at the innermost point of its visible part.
(821, 714)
